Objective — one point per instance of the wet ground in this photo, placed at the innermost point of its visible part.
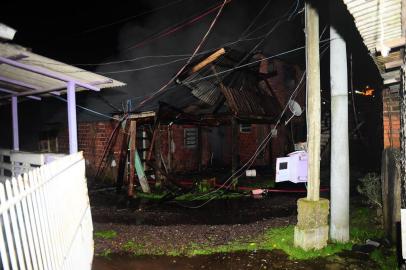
(145, 227)
(173, 226)
(236, 261)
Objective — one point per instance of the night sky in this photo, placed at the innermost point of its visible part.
(84, 32)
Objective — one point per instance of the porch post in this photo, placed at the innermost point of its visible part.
(72, 125)
(14, 116)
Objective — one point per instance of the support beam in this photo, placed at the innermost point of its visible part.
(133, 149)
(234, 149)
(26, 85)
(14, 92)
(393, 64)
(47, 73)
(72, 124)
(14, 117)
(313, 101)
(392, 43)
(340, 173)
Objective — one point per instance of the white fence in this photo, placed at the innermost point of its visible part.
(13, 163)
(45, 220)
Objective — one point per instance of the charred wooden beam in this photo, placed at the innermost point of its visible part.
(123, 157)
(208, 60)
(133, 148)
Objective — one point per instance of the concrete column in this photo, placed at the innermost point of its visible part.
(14, 117)
(340, 173)
(72, 124)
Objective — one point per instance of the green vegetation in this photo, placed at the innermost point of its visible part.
(193, 196)
(106, 253)
(282, 238)
(202, 197)
(275, 238)
(370, 187)
(150, 196)
(106, 234)
(385, 261)
(364, 225)
(135, 248)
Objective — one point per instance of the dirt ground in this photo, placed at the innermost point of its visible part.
(170, 226)
(157, 228)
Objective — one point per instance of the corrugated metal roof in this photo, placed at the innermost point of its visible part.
(34, 81)
(379, 23)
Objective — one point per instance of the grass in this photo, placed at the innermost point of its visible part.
(106, 253)
(362, 227)
(275, 238)
(202, 197)
(385, 261)
(134, 248)
(110, 234)
(282, 238)
(192, 196)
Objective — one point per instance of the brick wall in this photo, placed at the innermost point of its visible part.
(187, 159)
(92, 140)
(391, 118)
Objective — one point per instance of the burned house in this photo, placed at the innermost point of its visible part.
(222, 108)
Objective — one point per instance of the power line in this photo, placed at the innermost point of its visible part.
(259, 149)
(132, 17)
(194, 53)
(184, 56)
(86, 109)
(177, 27)
(255, 154)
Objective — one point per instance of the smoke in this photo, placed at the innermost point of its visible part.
(236, 17)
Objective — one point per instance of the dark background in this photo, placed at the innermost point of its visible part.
(81, 32)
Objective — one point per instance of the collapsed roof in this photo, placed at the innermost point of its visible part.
(225, 83)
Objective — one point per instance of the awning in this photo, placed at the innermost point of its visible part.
(27, 73)
(379, 23)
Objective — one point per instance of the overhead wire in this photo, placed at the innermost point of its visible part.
(184, 56)
(259, 149)
(234, 68)
(253, 157)
(177, 27)
(126, 19)
(194, 53)
(87, 109)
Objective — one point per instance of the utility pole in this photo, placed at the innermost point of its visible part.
(313, 101)
(340, 173)
(311, 231)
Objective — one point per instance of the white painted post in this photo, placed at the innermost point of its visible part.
(339, 178)
(72, 124)
(14, 115)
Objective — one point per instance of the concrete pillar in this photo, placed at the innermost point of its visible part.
(72, 124)
(340, 173)
(14, 117)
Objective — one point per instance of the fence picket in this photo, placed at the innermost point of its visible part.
(7, 230)
(22, 222)
(3, 250)
(14, 226)
(45, 219)
(32, 229)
